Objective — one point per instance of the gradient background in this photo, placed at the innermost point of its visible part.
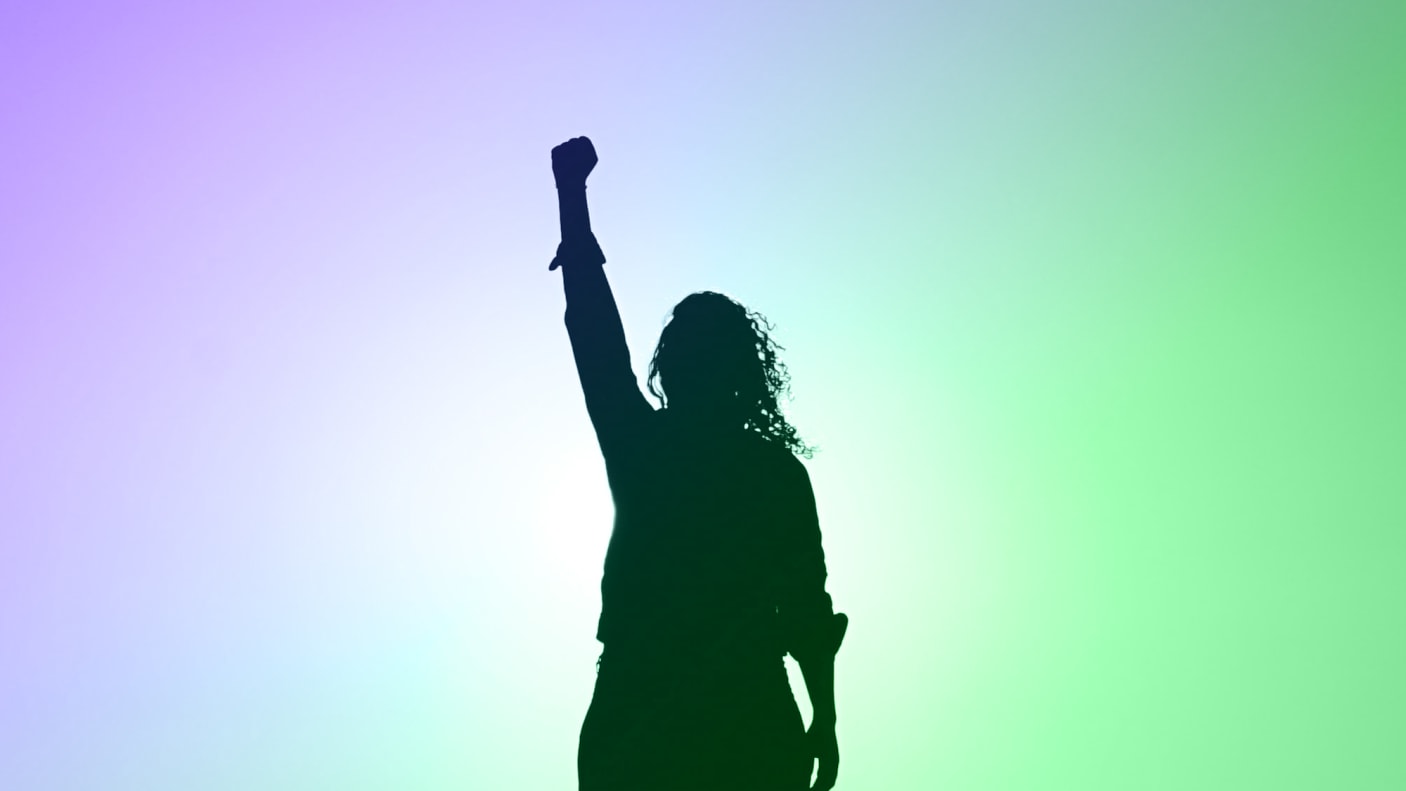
(1096, 312)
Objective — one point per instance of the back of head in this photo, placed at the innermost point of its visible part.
(716, 362)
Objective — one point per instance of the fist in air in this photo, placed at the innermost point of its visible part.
(572, 162)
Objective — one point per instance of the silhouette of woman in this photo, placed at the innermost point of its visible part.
(714, 569)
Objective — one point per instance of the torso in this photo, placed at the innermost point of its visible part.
(694, 540)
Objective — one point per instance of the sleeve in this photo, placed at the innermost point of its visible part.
(613, 397)
(805, 609)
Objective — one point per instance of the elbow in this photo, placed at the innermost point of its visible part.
(817, 637)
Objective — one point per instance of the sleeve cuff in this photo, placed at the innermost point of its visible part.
(585, 251)
(820, 638)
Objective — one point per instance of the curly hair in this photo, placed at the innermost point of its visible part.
(712, 338)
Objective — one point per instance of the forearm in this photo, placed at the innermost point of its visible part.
(819, 674)
(592, 316)
(574, 213)
(588, 295)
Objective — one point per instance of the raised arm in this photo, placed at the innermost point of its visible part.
(613, 397)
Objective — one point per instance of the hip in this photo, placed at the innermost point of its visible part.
(734, 725)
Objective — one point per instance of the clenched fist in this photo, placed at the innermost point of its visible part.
(572, 162)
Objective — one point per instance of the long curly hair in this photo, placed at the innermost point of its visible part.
(714, 344)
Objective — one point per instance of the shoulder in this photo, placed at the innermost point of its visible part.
(779, 458)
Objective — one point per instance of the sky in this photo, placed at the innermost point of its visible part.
(1093, 310)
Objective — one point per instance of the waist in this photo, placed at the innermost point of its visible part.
(739, 643)
(639, 663)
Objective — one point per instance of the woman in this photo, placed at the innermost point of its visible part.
(714, 569)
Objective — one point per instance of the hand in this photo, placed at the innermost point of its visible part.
(820, 741)
(572, 162)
